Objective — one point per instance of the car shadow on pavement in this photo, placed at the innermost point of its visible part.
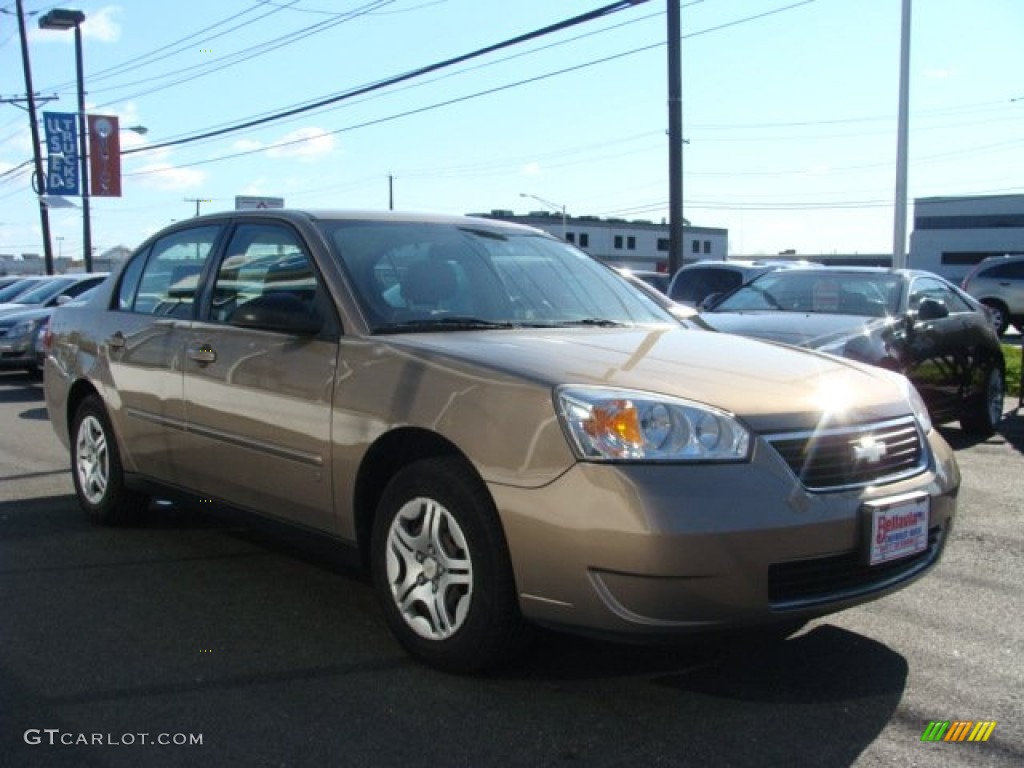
(20, 388)
(1010, 432)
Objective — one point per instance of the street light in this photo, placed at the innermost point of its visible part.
(64, 19)
(549, 204)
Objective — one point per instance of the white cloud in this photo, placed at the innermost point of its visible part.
(532, 169)
(167, 177)
(305, 144)
(256, 187)
(100, 25)
(247, 145)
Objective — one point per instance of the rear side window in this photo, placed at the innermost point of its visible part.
(1011, 271)
(168, 282)
(693, 285)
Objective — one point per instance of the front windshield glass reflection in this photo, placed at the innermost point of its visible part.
(818, 291)
(413, 276)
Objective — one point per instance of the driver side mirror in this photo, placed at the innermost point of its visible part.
(930, 309)
(709, 301)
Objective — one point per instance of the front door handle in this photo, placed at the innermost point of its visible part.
(116, 340)
(202, 354)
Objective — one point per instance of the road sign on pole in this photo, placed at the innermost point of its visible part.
(243, 203)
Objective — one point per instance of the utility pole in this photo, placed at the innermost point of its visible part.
(391, 192)
(675, 140)
(40, 177)
(197, 201)
(899, 235)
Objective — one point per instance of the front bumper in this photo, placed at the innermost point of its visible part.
(670, 549)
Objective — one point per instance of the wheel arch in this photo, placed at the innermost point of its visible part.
(80, 390)
(386, 456)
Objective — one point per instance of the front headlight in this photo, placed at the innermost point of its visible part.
(616, 425)
(917, 406)
(24, 328)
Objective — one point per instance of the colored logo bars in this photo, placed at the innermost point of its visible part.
(958, 730)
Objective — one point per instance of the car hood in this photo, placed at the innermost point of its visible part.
(9, 319)
(802, 329)
(6, 309)
(769, 385)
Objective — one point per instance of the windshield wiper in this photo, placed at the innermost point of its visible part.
(597, 322)
(444, 323)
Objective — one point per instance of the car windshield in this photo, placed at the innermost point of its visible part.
(46, 290)
(11, 292)
(818, 291)
(412, 276)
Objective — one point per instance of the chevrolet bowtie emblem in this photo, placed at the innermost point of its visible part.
(868, 449)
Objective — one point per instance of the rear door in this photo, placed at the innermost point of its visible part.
(145, 340)
(258, 400)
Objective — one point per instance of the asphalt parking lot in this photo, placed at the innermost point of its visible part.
(198, 624)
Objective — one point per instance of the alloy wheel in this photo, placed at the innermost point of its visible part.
(429, 569)
(92, 459)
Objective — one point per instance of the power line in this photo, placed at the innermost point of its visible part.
(574, 21)
(570, 22)
(153, 56)
(230, 60)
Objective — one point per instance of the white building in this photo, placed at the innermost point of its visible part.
(952, 234)
(635, 244)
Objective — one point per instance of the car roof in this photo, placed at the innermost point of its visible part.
(319, 214)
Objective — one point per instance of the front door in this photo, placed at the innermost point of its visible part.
(258, 402)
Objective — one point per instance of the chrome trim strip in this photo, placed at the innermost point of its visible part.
(272, 449)
(850, 429)
(302, 457)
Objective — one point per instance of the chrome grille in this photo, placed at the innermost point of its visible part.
(848, 457)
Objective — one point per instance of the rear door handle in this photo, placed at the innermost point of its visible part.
(202, 354)
(116, 341)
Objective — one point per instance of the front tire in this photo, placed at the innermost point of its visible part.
(983, 412)
(441, 568)
(97, 470)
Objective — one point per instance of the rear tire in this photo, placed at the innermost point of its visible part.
(97, 470)
(442, 571)
(1000, 314)
(983, 412)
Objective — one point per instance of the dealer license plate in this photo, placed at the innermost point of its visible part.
(899, 528)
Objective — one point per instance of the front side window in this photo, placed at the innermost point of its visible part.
(262, 260)
(168, 282)
(930, 288)
(422, 277)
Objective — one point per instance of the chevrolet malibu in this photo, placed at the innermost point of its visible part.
(504, 430)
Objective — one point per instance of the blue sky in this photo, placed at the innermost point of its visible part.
(789, 109)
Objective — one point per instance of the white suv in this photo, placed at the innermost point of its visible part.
(998, 283)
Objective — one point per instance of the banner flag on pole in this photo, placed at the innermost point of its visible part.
(104, 156)
(61, 132)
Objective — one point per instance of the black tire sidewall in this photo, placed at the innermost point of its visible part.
(114, 506)
(493, 613)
